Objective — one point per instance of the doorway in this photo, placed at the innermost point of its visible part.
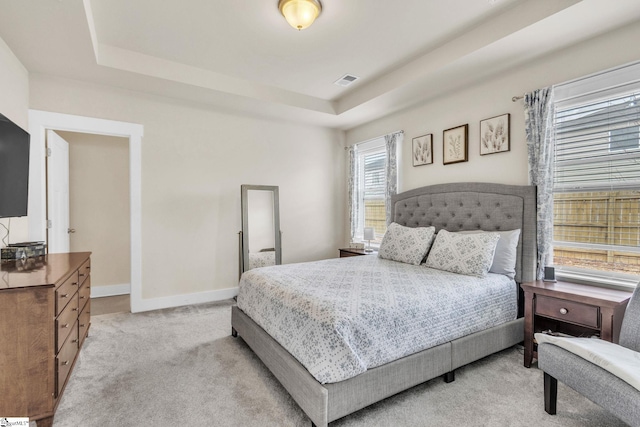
(39, 123)
(98, 176)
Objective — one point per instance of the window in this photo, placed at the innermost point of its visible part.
(372, 183)
(597, 178)
(624, 138)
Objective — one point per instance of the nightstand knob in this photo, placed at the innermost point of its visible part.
(563, 311)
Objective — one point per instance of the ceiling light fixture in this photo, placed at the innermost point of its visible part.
(300, 14)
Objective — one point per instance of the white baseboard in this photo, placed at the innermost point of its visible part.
(180, 300)
(110, 290)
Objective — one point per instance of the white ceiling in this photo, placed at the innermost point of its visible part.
(242, 56)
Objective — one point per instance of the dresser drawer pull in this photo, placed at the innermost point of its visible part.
(82, 297)
(563, 310)
(65, 363)
(74, 283)
(82, 274)
(74, 340)
(66, 325)
(64, 296)
(74, 309)
(82, 325)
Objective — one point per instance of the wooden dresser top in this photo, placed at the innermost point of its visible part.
(47, 270)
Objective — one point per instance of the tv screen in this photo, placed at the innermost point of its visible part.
(14, 169)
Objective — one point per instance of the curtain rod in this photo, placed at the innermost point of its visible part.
(515, 98)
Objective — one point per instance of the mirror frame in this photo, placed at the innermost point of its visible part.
(244, 204)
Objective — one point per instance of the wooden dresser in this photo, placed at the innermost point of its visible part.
(44, 319)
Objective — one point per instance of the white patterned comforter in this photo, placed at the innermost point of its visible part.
(340, 317)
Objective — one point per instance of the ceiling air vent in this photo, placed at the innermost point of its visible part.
(346, 80)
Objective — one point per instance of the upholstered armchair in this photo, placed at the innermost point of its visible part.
(605, 373)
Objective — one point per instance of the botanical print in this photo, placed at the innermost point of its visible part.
(494, 135)
(422, 150)
(454, 145)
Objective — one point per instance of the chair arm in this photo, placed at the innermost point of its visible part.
(620, 361)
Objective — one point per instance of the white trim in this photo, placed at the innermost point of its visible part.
(39, 122)
(614, 281)
(597, 246)
(603, 84)
(110, 290)
(187, 299)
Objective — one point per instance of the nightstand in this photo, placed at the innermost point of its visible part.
(346, 252)
(573, 309)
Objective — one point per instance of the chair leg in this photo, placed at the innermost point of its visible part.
(550, 394)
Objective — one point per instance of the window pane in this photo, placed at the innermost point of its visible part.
(373, 190)
(597, 145)
(598, 230)
(596, 181)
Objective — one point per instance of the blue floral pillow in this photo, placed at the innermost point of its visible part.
(406, 244)
(469, 254)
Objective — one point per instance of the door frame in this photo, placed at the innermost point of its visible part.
(39, 123)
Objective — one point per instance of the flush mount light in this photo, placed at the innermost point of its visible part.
(300, 14)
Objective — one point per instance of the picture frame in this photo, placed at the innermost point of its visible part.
(455, 146)
(422, 150)
(495, 135)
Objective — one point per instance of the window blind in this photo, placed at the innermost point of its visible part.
(374, 175)
(598, 144)
(596, 183)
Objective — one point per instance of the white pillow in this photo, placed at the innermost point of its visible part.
(504, 259)
(469, 254)
(406, 244)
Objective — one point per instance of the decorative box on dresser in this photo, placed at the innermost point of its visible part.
(572, 309)
(45, 317)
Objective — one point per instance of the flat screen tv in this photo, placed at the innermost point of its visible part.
(14, 169)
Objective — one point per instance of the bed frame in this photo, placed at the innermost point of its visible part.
(454, 207)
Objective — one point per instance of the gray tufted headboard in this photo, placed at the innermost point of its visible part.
(475, 206)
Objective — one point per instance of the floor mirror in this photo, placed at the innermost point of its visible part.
(260, 238)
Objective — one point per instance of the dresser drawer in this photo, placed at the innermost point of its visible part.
(84, 294)
(84, 321)
(65, 321)
(84, 271)
(568, 311)
(65, 358)
(66, 291)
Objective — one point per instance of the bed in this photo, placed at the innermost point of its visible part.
(452, 207)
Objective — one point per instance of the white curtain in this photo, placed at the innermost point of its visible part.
(539, 112)
(392, 141)
(352, 184)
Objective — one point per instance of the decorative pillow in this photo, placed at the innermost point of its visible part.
(406, 244)
(469, 254)
(504, 259)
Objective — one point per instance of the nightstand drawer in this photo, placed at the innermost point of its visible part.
(568, 311)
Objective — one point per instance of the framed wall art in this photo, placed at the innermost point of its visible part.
(494, 135)
(422, 150)
(455, 147)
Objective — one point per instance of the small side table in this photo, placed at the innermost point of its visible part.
(347, 252)
(573, 309)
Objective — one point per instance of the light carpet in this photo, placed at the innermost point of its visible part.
(181, 367)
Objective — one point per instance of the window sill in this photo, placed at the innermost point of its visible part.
(605, 281)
